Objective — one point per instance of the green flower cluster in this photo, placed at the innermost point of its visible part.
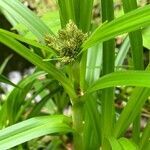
(68, 43)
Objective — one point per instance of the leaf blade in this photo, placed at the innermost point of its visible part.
(33, 128)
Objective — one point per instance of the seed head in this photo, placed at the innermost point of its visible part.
(68, 42)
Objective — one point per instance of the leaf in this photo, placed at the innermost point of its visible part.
(122, 52)
(128, 78)
(129, 22)
(3, 65)
(38, 61)
(94, 62)
(145, 136)
(5, 80)
(146, 39)
(37, 109)
(115, 145)
(127, 144)
(28, 41)
(23, 15)
(33, 128)
(17, 96)
(132, 109)
(122, 144)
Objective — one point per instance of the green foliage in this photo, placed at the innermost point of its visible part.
(85, 82)
(33, 128)
(5, 80)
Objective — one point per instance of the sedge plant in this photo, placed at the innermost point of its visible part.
(78, 66)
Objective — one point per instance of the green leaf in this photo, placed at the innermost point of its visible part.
(122, 144)
(115, 145)
(28, 41)
(33, 128)
(5, 80)
(13, 102)
(3, 65)
(145, 136)
(129, 22)
(146, 39)
(127, 144)
(122, 53)
(23, 15)
(38, 61)
(132, 109)
(128, 78)
(94, 62)
(37, 109)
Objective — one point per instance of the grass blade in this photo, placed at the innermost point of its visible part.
(127, 144)
(145, 136)
(33, 128)
(94, 62)
(122, 53)
(129, 22)
(23, 15)
(25, 40)
(13, 102)
(128, 78)
(5, 80)
(3, 65)
(37, 60)
(134, 105)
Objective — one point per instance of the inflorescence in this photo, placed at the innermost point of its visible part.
(67, 43)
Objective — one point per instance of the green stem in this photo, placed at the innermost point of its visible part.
(136, 128)
(78, 123)
(108, 111)
(137, 57)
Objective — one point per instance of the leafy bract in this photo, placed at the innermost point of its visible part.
(129, 22)
(128, 78)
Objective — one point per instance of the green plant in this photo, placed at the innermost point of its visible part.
(79, 67)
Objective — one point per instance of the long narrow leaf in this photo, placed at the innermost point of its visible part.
(145, 136)
(5, 80)
(3, 65)
(37, 60)
(23, 15)
(129, 22)
(33, 128)
(128, 78)
(132, 109)
(13, 102)
(25, 40)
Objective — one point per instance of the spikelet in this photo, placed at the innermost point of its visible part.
(68, 42)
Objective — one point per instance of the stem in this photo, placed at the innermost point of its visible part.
(137, 57)
(77, 116)
(136, 128)
(108, 111)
